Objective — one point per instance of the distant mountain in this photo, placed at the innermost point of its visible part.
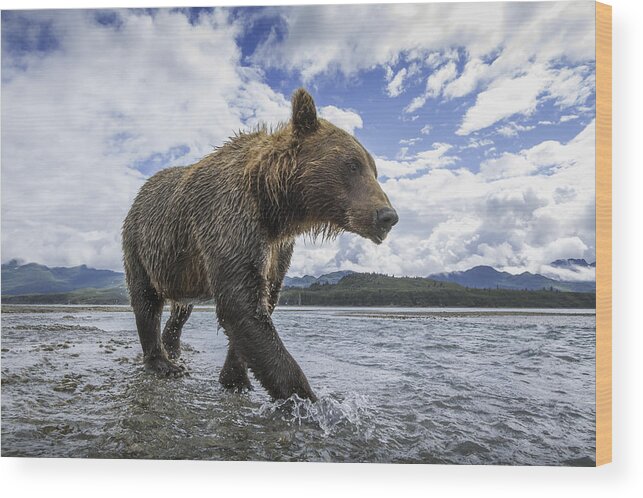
(486, 277)
(32, 278)
(572, 263)
(308, 280)
(569, 270)
(301, 282)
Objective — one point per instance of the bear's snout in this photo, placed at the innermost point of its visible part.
(386, 218)
(383, 220)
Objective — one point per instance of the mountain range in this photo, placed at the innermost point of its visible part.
(572, 263)
(308, 280)
(36, 279)
(32, 278)
(486, 277)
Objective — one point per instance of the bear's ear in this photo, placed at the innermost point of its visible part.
(304, 114)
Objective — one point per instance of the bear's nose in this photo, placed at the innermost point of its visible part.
(387, 217)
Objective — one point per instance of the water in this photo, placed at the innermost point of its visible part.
(395, 385)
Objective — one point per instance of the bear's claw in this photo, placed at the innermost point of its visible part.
(165, 367)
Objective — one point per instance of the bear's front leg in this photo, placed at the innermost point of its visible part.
(234, 374)
(257, 343)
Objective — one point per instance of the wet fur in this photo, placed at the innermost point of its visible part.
(225, 227)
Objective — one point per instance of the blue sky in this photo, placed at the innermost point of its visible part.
(480, 117)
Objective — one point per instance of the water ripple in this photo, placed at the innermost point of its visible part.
(476, 389)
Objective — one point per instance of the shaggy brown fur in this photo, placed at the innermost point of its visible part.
(225, 227)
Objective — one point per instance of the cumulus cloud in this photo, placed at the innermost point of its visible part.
(434, 84)
(435, 157)
(520, 95)
(394, 88)
(506, 165)
(506, 97)
(410, 141)
(477, 143)
(574, 274)
(402, 153)
(397, 82)
(429, 31)
(345, 119)
(475, 71)
(512, 129)
(436, 81)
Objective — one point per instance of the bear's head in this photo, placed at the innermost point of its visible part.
(338, 176)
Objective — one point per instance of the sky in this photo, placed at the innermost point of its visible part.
(480, 118)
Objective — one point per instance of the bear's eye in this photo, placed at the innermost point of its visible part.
(354, 166)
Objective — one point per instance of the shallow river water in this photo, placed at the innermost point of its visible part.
(395, 385)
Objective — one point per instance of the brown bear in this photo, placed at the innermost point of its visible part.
(225, 227)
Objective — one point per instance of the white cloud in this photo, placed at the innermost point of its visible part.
(571, 87)
(394, 88)
(345, 119)
(416, 103)
(506, 165)
(426, 129)
(402, 154)
(434, 84)
(410, 141)
(437, 79)
(504, 98)
(427, 159)
(512, 129)
(396, 83)
(574, 274)
(426, 33)
(568, 117)
(543, 38)
(520, 95)
(477, 143)
(548, 157)
(392, 29)
(564, 247)
(473, 73)
(436, 59)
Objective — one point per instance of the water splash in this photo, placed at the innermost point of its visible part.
(329, 413)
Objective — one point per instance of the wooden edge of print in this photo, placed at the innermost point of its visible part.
(603, 234)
